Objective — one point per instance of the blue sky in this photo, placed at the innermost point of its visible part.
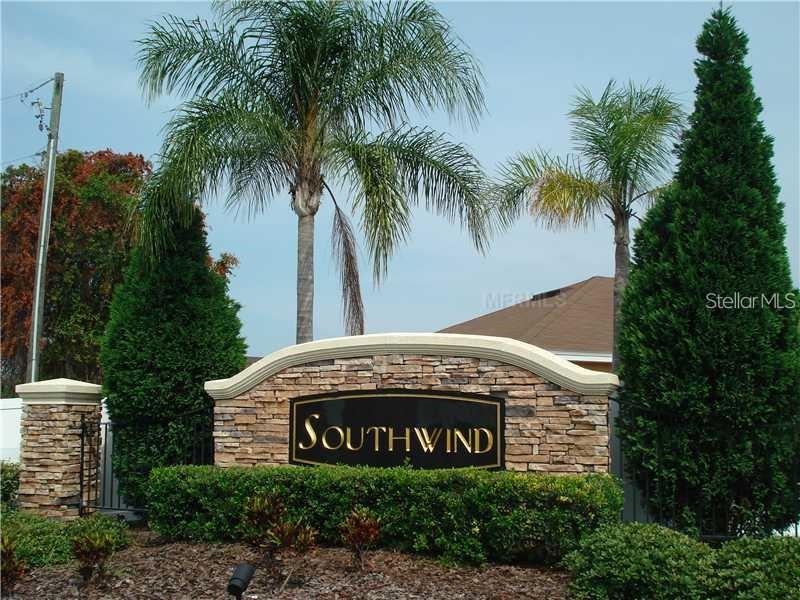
(533, 56)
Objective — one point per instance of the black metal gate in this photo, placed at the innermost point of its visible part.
(99, 486)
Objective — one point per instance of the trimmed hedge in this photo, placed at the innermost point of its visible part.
(41, 542)
(638, 560)
(652, 562)
(464, 515)
(757, 569)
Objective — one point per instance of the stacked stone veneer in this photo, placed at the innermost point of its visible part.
(547, 428)
(50, 452)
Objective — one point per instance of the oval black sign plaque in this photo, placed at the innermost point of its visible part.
(390, 428)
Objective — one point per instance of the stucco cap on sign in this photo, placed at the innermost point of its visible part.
(526, 356)
(60, 391)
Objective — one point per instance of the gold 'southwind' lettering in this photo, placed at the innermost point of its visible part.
(326, 444)
(406, 437)
(465, 441)
(477, 440)
(393, 427)
(312, 435)
(349, 443)
(377, 431)
(426, 439)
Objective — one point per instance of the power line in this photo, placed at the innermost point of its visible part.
(8, 162)
(26, 92)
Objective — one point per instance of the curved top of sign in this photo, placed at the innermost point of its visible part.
(526, 356)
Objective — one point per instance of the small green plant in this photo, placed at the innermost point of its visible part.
(360, 531)
(9, 484)
(92, 549)
(295, 540)
(266, 526)
(94, 540)
(305, 539)
(12, 568)
(262, 513)
(115, 527)
(42, 542)
(39, 541)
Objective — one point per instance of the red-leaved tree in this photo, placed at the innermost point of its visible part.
(89, 246)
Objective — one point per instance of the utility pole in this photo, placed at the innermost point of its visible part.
(44, 229)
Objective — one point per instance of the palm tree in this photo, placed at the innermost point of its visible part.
(301, 96)
(623, 142)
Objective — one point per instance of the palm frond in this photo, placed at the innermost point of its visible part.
(409, 166)
(624, 135)
(385, 213)
(649, 197)
(357, 63)
(345, 253)
(155, 215)
(210, 142)
(194, 57)
(553, 190)
(409, 55)
(211, 139)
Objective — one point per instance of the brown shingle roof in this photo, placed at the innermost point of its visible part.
(576, 318)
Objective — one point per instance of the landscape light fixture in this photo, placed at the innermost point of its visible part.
(240, 579)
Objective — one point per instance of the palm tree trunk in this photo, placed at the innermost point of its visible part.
(622, 258)
(306, 195)
(305, 278)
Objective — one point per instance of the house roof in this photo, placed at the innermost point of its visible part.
(573, 320)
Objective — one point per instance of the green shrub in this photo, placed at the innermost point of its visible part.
(709, 412)
(465, 515)
(9, 483)
(757, 569)
(638, 561)
(172, 327)
(40, 541)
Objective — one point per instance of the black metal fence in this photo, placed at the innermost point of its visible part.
(657, 499)
(100, 487)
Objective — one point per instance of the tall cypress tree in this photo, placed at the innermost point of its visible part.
(709, 348)
(172, 328)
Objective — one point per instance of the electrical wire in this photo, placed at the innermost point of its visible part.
(26, 92)
(8, 162)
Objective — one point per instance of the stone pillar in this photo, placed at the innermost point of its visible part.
(50, 452)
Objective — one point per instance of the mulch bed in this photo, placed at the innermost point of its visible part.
(154, 570)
